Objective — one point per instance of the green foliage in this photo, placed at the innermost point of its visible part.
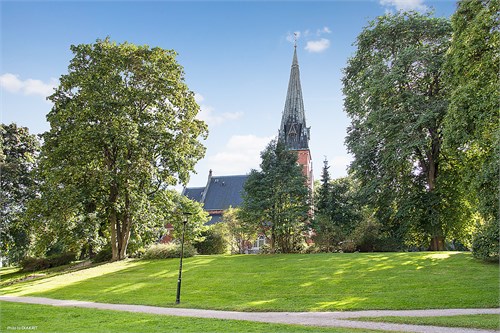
(215, 240)
(472, 129)
(241, 232)
(169, 250)
(103, 255)
(276, 199)
(486, 242)
(123, 128)
(337, 211)
(396, 99)
(30, 264)
(18, 184)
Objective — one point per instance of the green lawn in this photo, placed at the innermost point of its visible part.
(482, 321)
(300, 282)
(44, 318)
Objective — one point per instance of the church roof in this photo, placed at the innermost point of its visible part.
(194, 193)
(293, 130)
(220, 193)
(223, 192)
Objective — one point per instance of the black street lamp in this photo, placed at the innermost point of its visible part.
(178, 298)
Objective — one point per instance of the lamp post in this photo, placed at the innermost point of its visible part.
(178, 298)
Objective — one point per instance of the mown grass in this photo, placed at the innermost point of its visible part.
(44, 318)
(301, 282)
(480, 321)
(10, 275)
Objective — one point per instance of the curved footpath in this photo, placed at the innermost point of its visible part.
(328, 319)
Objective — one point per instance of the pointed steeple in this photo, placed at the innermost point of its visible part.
(293, 131)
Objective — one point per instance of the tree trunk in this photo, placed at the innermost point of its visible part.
(114, 222)
(123, 226)
(437, 243)
(114, 244)
(437, 239)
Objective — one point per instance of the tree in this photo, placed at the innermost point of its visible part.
(337, 211)
(241, 232)
(322, 198)
(18, 185)
(396, 100)
(123, 128)
(472, 127)
(276, 199)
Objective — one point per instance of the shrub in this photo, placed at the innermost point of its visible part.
(104, 255)
(30, 264)
(348, 246)
(36, 264)
(170, 250)
(485, 244)
(215, 240)
(62, 259)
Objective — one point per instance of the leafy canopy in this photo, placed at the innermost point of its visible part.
(123, 128)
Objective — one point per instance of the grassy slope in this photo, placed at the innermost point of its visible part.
(482, 321)
(45, 318)
(315, 282)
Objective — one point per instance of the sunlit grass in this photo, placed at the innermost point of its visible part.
(480, 321)
(44, 318)
(314, 282)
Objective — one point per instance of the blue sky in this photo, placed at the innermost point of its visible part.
(236, 56)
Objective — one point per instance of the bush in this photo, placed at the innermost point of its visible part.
(348, 246)
(36, 264)
(104, 255)
(170, 250)
(485, 244)
(215, 242)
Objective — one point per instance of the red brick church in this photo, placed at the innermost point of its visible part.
(222, 192)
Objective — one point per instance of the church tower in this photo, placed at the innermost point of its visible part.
(294, 132)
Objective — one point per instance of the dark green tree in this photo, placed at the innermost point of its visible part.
(395, 97)
(323, 194)
(334, 222)
(123, 128)
(276, 199)
(18, 185)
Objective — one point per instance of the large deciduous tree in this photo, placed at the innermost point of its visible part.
(276, 199)
(395, 97)
(18, 155)
(472, 125)
(123, 128)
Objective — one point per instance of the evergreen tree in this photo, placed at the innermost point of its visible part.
(276, 199)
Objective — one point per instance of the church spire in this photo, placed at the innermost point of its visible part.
(293, 131)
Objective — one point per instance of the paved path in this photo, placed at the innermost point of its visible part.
(328, 319)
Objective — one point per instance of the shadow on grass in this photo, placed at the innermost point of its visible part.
(301, 282)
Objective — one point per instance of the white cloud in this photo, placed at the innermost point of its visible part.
(208, 114)
(198, 98)
(316, 46)
(405, 5)
(13, 84)
(240, 155)
(325, 30)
